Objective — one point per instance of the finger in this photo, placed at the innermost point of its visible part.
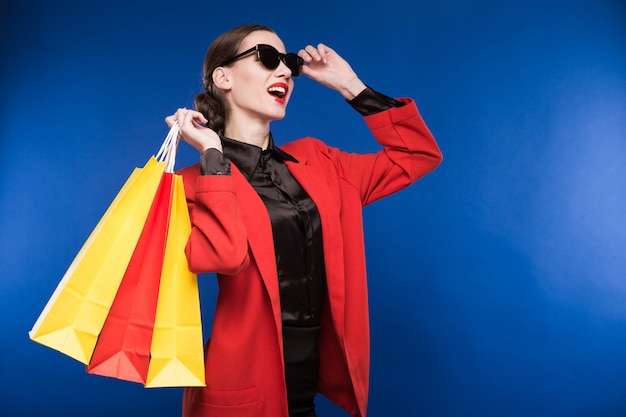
(193, 118)
(314, 53)
(187, 116)
(323, 51)
(199, 117)
(170, 120)
(305, 56)
(177, 117)
(184, 119)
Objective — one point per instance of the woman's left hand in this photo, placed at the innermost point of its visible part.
(327, 67)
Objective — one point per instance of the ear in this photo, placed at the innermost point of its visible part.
(221, 78)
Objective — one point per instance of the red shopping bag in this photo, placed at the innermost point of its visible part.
(123, 347)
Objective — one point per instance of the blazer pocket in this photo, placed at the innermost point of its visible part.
(230, 398)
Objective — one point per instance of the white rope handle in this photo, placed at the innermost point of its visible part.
(168, 149)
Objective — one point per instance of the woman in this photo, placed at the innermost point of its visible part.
(282, 229)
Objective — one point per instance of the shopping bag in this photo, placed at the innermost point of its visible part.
(106, 301)
(73, 317)
(177, 355)
(123, 347)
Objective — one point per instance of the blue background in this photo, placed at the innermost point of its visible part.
(497, 283)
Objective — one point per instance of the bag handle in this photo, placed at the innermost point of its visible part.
(168, 149)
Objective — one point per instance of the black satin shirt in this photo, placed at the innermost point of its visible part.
(296, 226)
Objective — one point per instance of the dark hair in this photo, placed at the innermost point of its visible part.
(211, 102)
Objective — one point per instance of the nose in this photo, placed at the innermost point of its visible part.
(283, 70)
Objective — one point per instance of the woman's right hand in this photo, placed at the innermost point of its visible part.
(192, 130)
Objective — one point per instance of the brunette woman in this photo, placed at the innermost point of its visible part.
(281, 227)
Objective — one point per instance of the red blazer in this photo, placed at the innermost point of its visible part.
(232, 235)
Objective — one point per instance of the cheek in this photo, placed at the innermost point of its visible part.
(292, 88)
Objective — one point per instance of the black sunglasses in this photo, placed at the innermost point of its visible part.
(270, 58)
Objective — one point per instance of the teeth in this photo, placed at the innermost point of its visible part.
(277, 90)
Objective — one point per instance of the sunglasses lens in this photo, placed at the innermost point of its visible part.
(269, 57)
(293, 63)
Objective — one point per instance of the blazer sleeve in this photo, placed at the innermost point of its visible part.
(409, 152)
(218, 241)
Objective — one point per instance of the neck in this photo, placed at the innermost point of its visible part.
(251, 131)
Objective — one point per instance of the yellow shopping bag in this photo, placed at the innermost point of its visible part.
(176, 353)
(73, 317)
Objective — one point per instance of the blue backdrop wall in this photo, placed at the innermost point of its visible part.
(497, 283)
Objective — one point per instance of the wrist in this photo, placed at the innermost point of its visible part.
(352, 88)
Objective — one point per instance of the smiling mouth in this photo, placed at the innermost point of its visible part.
(278, 90)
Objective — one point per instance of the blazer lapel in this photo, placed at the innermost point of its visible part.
(260, 235)
(331, 234)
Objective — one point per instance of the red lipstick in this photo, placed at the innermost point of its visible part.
(279, 92)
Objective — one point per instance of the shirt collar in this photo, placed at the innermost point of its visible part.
(247, 157)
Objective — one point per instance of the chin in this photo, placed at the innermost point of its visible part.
(278, 115)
